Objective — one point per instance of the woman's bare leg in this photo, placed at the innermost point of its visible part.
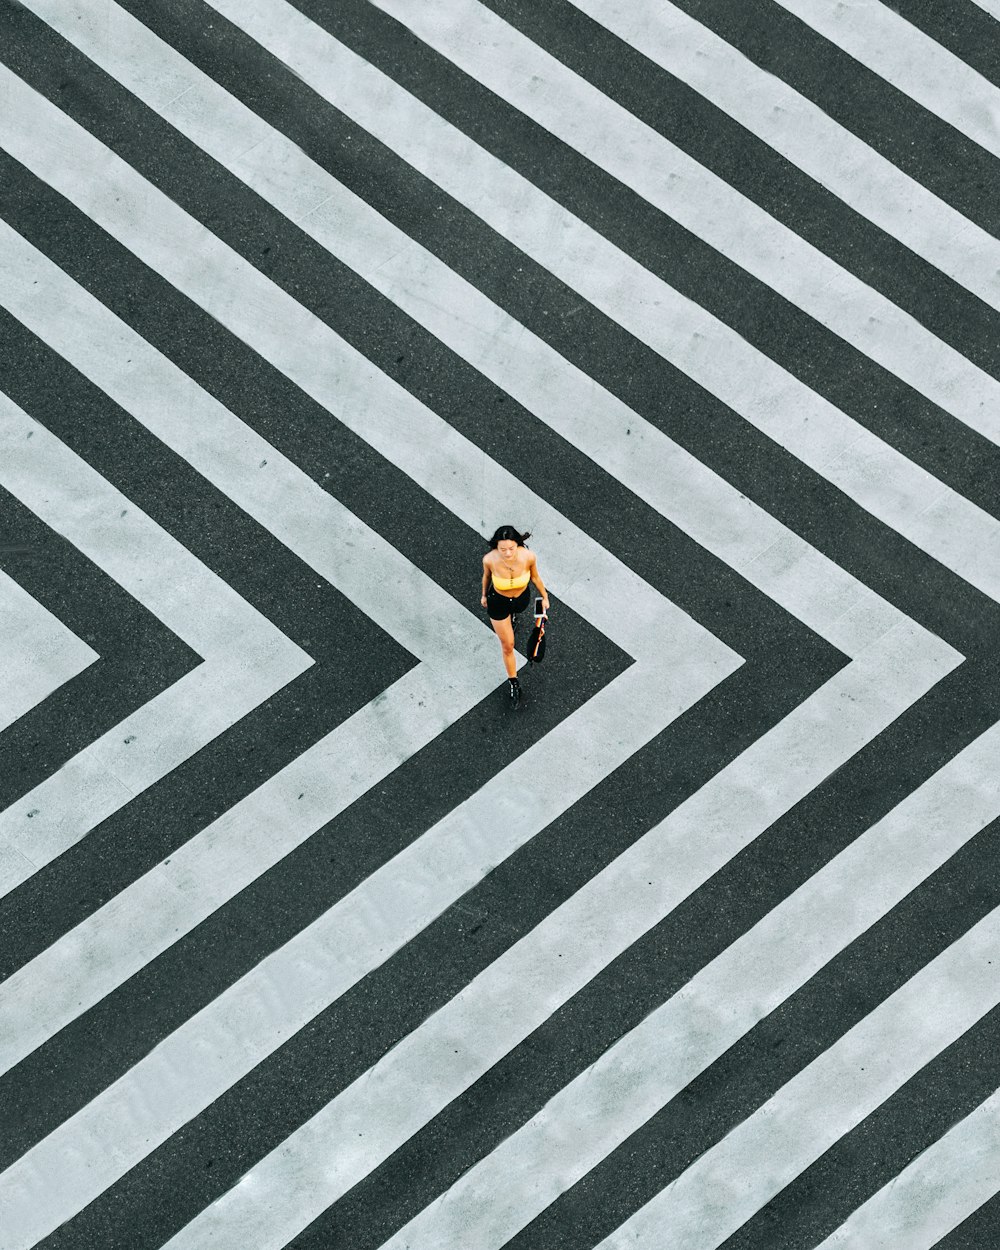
(504, 630)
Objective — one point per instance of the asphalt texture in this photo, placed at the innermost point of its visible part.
(785, 662)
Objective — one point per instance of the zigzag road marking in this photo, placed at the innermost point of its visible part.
(932, 1195)
(679, 662)
(797, 576)
(675, 483)
(375, 1115)
(210, 103)
(882, 481)
(311, 355)
(632, 1080)
(241, 1010)
(732, 1181)
(800, 130)
(246, 658)
(39, 653)
(544, 381)
(529, 78)
(235, 849)
(913, 62)
(222, 1043)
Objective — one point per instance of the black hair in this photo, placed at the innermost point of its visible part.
(507, 533)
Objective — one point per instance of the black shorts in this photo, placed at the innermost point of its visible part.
(501, 606)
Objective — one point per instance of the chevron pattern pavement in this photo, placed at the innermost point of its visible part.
(306, 940)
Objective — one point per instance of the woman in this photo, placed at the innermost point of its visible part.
(508, 566)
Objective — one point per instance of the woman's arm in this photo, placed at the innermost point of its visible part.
(486, 580)
(536, 577)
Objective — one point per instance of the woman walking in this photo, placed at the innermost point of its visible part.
(508, 566)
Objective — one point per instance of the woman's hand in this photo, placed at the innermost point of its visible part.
(483, 601)
(545, 603)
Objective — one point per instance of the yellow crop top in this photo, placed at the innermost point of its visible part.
(511, 583)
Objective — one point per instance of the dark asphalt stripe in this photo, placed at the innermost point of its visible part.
(209, 1155)
(840, 373)
(593, 341)
(259, 568)
(946, 1090)
(758, 172)
(139, 656)
(936, 914)
(256, 1145)
(658, 966)
(953, 453)
(710, 591)
(981, 1229)
(928, 149)
(644, 540)
(964, 29)
(117, 854)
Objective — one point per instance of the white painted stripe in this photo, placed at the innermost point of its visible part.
(374, 1116)
(797, 128)
(215, 1048)
(119, 939)
(932, 1195)
(992, 7)
(785, 554)
(520, 72)
(878, 478)
(654, 467)
(615, 1096)
(903, 55)
(728, 1184)
(136, 376)
(247, 658)
(404, 602)
(234, 850)
(325, 366)
(39, 653)
(681, 661)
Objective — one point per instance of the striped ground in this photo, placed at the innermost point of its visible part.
(306, 939)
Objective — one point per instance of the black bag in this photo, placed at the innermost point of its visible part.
(536, 643)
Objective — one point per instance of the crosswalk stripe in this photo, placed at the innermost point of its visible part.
(56, 485)
(932, 1195)
(137, 656)
(243, 842)
(911, 61)
(247, 468)
(522, 73)
(837, 159)
(992, 7)
(321, 363)
(612, 1098)
(40, 653)
(778, 560)
(730, 1182)
(550, 387)
(881, 480)
(893, 663)
(224, 1041)
(702, 666)
(522, 988)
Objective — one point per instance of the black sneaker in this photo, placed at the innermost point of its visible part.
(514, 691)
